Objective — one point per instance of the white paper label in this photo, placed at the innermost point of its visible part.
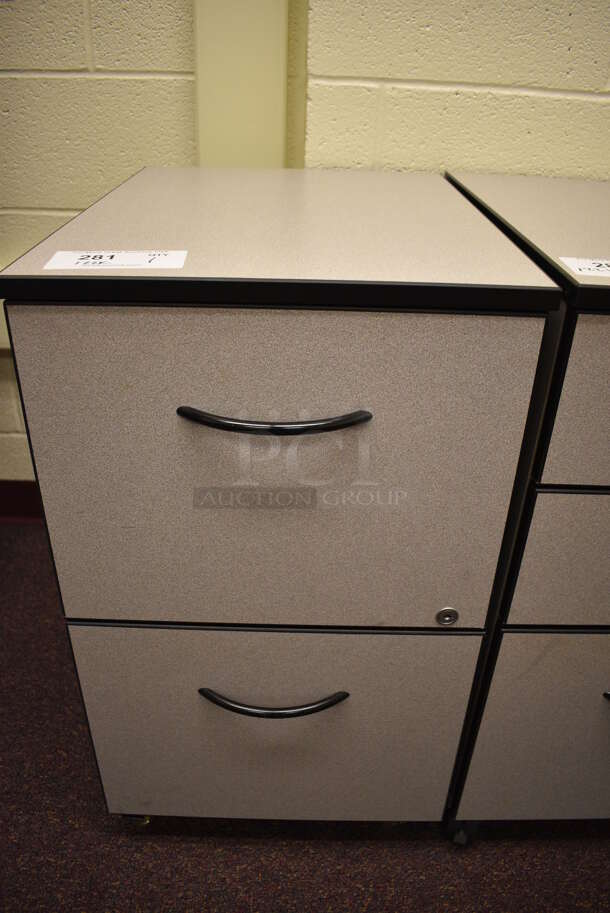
(582, 267)
(117, 259)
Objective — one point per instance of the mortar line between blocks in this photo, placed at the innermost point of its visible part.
(88, 34)
(37, 211)
(479, 88)
(98, 74)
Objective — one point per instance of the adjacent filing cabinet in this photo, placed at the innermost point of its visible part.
(565, 573)
(543, 750)
(325, 574)
(579, 451)
(544, 744)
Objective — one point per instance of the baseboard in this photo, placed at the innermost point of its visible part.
(20, 501)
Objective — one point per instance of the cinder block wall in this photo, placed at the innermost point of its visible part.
(90, 91)
(497, 86)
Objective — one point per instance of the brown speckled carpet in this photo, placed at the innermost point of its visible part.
(60, 851)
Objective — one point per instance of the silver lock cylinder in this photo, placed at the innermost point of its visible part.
(447, 616)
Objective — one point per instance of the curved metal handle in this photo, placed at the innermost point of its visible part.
(245, 426)
(274, 713)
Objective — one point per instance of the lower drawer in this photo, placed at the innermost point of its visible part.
(386, 752)
(543, 750)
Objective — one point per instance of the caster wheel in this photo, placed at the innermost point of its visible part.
(465, 833)
(141, 822)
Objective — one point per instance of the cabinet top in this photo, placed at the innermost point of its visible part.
(564, 220)
(247, 231)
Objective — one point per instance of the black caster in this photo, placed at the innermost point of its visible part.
(141, 822)
(463, 834)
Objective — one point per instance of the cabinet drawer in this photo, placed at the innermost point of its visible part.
(543, 749)
(579, 452)
(565, 573)
(385, 523)
(386, 752)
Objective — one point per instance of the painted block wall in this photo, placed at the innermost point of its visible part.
(90, 92)
(296, 88)
(487, 86)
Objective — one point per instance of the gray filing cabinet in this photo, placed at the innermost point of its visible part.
(543, 750)
(285, 621)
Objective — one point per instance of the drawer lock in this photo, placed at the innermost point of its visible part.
(447, 616)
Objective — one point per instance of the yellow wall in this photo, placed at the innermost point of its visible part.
(251, 81)
(241, 52)
(14, 455)
(296, 83)
(90, 91)
(517, 86)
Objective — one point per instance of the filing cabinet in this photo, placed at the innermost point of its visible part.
(543, 749)
(579, 451)
(277, 420)
(564, 577)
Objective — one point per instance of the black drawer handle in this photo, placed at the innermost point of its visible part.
(273, 713)
(607, 695)
(245, 426)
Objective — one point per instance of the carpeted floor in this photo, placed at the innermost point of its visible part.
(60, 851)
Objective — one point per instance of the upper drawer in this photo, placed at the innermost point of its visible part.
(385, 523)
(565, 574)
(579, 453)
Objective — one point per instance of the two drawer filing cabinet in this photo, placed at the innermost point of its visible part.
(282, 423)
(543, 749)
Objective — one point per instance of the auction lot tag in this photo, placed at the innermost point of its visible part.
(117, 259)
(582, 267)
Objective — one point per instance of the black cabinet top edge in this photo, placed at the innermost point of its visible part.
(592, 301)
(555, 629)
(579, 295)
(127, 291)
